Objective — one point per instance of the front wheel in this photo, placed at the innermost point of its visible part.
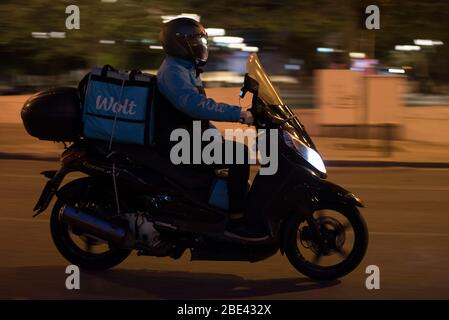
(328, 243)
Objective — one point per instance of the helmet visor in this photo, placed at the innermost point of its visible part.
(198, 43)
(203, 39)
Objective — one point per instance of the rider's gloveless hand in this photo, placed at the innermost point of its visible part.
(246, 117)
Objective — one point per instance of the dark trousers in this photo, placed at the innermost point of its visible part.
(238, 175)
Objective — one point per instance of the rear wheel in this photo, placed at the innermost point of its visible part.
(81, 249)
(328, 244)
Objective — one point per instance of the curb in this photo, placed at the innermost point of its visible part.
(24, 156)
(328, 163)
(380, 164)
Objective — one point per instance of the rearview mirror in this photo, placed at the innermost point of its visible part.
(249, 85)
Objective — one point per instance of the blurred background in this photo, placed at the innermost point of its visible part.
(295, 40)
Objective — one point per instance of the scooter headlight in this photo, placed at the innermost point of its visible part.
(309, 154)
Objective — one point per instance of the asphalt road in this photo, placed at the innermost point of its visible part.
(407, 214)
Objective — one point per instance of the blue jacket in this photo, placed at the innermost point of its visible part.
(177, 81)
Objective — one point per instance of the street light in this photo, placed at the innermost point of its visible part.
(47, 35)
(193, 16)
(236, 45)
(407, 47)
(57, 35)
(395, 70)
(213, 32)
(227, 39)
(326, 50)
(40, 35)
(107, 41)
(357, 55)
(250, 49)
(427, 42)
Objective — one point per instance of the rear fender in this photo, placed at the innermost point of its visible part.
(55, 179)
(69, 159)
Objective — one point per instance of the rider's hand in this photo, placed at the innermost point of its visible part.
(246, 117)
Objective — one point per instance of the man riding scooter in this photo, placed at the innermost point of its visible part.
(183, 101)
(132, 197)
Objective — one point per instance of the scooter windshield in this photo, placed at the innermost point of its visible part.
(276, 109)
(267, 92)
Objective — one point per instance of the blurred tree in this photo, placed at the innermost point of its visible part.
(132, 24)
(296, 27)
(405, 20)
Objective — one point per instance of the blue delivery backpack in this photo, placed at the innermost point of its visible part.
(118, 106)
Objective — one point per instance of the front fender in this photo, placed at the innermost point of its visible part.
(313, 189)
(330, 192)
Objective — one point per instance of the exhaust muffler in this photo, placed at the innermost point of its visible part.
(96, 227)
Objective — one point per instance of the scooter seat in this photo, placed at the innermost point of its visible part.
(188, 176)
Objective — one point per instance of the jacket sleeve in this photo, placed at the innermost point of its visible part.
(176, 87)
